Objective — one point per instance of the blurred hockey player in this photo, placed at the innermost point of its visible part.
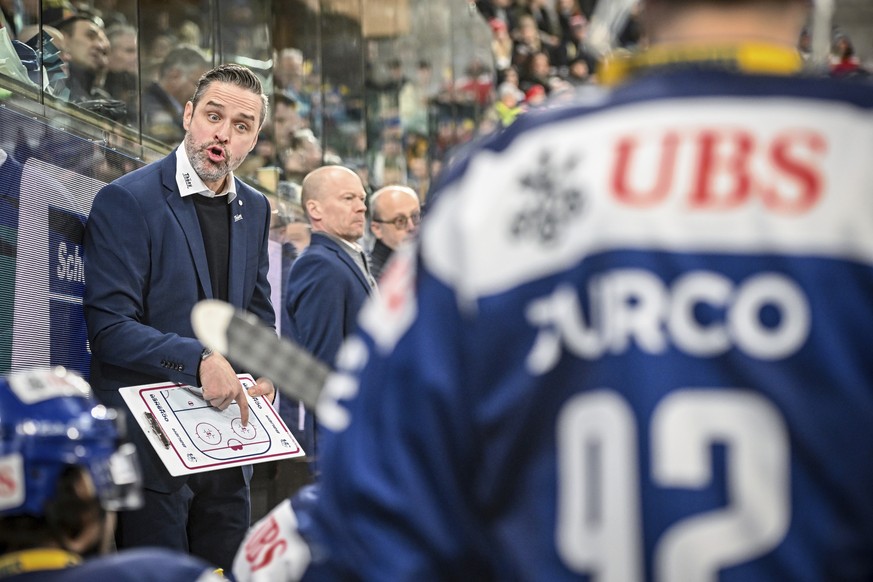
(64, 472)
(633, 344)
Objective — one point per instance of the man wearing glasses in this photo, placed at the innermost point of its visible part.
(396, 213)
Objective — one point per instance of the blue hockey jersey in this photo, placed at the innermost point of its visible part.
(633, 344)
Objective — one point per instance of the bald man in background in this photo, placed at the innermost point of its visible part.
(330, 280)
(395, 216)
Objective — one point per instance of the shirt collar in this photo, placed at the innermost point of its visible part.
(354, 247)
(190, 183)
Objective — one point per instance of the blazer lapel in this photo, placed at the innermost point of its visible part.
(186, 215)
(349, 261)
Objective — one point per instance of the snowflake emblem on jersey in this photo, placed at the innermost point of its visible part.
(552, 201)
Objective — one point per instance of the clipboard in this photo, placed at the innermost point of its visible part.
(190, 436)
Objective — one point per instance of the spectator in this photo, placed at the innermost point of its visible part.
(617, 352)
(304, 155)
(502, 45)
(286, 120)
(510, 76)
(844, 62)
(395, 215)
(501, 10)
(330, 280)
(547, 21)
(567, 10)
(68, 471)
(389, 158)
(578, 72)
(418, 175)
(413, 100)
(535, 96)
(527, 42)
(391, 87)
(576, 46)
(289, 77)
(507, 107)
(157, 241)
(158, 46)
(163, 102)
(122, 76)
(87, 49)
(474, 87)
(538, 72)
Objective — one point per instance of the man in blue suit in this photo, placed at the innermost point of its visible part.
(157, 241)
(330, 280)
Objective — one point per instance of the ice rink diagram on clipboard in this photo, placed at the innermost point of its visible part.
(190, 436)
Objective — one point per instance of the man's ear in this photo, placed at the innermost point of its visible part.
(187, 115)
(313, 210)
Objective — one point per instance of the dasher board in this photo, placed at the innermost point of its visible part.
(190, 436)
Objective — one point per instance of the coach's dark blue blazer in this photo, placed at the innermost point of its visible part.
(326, 290)
(145, 268)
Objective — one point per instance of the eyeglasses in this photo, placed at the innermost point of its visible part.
(402, 222)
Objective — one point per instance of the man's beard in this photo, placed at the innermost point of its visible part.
(208, 170)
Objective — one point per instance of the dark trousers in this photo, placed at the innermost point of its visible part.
(208, 517)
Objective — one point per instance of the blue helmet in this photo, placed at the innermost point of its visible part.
(50, 421)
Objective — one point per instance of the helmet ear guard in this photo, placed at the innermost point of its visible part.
(49, 422)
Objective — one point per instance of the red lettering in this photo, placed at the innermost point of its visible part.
(723, 180)
(731, 168)
(806, 176)
(267, 555)
(624, 169)
(266, 534)
(265, 542)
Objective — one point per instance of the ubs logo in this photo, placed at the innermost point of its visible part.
(553, 201)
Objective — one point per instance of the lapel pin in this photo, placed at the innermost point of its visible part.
(237, 217)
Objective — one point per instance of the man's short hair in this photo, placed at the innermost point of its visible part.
(67, 24)
(118, 30)
(186, 57)
(284, 99)
(232, 74)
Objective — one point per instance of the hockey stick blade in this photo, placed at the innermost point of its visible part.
(244, 340)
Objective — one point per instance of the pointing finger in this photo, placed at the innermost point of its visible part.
(243, 407)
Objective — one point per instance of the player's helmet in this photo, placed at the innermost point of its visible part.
(49, 421)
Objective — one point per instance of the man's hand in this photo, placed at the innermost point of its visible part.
(221, 386)
(264, 387)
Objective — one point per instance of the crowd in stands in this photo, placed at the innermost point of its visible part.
(541, 47)
(397, 128)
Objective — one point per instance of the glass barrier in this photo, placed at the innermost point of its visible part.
(386, 87)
